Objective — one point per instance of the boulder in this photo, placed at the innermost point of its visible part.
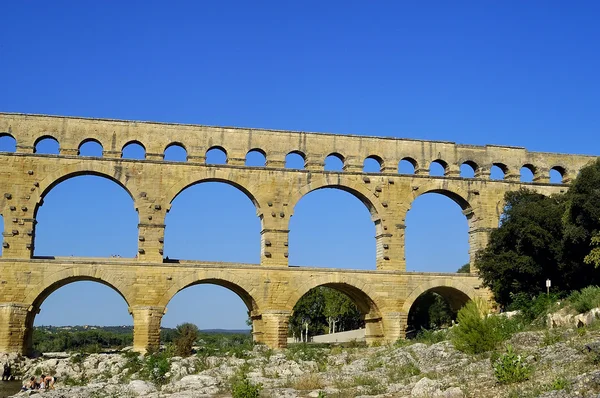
(425, 388)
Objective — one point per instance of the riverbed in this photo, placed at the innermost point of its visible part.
(8, 388)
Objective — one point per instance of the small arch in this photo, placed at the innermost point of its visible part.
(448, 301)
(334, 162)
(216, 155)
(527, 173)
(372, 164)
(175, 152)
(457, 292)
(133, 150)
(438, 168)
(46, 145)
(468, 169)
(557, 175)
(256, 158)
(498, 171)
(295, 160)
(407, 166)
(362, 300)
(8, 143)
(90, 147)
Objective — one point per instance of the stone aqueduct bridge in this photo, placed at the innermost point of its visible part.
(269, 289)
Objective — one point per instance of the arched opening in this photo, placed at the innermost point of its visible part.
(86, 215)
(256, 158)
(468, 169)
(334, 162)
(334, 312)
(436, 220)
(133, 150)
(79, 314)
(332, 228)
(527, 173)
(225, 321)
(46, 145)
(295, 160)
(91, 148)
(216, 155)
(372, 164)
(175, 153)
(407, 166)
(435, 309)
(213, 221)
(498, 171)
(437, 168)
(557, 175)
(7, 143)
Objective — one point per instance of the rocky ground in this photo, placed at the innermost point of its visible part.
(564, 363)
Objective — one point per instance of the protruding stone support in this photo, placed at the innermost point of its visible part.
(146, 327)
(353, 165)
(17, 237)
(13, 328)
(483, 173)
(394, 325)
(151, 242)
(314, 163)
(275, 328)
(274, 246)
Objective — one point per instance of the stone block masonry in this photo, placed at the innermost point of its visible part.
(269, 289)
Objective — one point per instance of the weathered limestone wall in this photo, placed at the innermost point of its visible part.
(269, 289)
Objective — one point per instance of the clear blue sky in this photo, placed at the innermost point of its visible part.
(480, 72)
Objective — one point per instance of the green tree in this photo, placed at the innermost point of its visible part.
(465, 269)
(582, 223)
(527, 248)
(320, 308)
(187, 334)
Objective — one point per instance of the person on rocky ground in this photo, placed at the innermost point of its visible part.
(49, 382)
(6, 373)
(29, 384)
(42, 384)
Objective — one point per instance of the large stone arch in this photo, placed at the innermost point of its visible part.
(334, 181)
(222, 176)
(236, 283)
(52, 282)
(360, 292)
(452, 290)
(98, 169)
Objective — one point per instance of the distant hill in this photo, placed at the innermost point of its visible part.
(127, 329)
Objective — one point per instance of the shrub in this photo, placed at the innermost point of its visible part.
(475, 332)
(533, 308)
(585, 299)
(561, 383)
(156, 367)
(243, 388)
(427, 336)
(187, 334)
(510, 368)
